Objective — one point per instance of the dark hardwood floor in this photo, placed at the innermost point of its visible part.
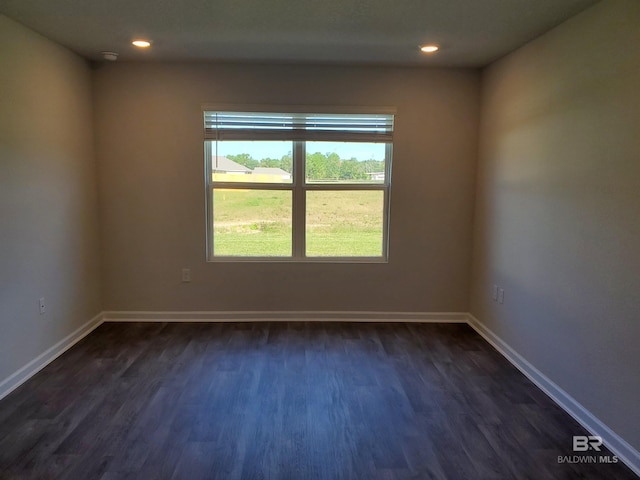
(286, 401)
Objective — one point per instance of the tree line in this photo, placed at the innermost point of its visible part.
(319, 166)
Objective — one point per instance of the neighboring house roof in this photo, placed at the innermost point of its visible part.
(270, 171)
(223, 164)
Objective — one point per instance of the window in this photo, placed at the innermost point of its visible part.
(297, 186)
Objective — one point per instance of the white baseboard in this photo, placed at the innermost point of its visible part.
(274, 316)
(614, 442)
(12, 382)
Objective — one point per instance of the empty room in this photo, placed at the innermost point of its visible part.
(319, 240)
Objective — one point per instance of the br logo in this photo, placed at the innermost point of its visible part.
(583, 443)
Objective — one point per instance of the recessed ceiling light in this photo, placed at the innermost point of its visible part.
(431, 48)
(141, 43)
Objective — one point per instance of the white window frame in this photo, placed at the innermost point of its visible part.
(298, 188)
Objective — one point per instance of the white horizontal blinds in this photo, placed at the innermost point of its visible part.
(376, 128)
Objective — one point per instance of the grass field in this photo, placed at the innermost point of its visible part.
(258, 223)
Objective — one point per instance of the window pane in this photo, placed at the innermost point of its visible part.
(252, 223)
(345, 162)
(344, 223)
(251, 161)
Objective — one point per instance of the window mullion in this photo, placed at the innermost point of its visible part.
(346, 186)
(299, 200)
(251, 186)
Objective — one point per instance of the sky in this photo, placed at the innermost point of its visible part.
(260, 149)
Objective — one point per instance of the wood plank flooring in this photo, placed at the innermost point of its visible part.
(298, 401)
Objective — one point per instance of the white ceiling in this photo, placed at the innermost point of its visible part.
(384, 32)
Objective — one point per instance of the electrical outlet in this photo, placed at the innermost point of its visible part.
(186, 275)
(494, 293)
(501, 295)
(43, 307)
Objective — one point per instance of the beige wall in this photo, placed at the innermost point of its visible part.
(149, 128)
(48, 197)
(557, 219)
